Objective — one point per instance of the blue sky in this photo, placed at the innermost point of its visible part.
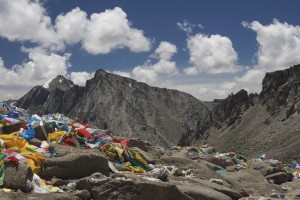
(206, 48)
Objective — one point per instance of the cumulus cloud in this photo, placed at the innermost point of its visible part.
(211, 54)
(279, 44)
(149, 72)
(39, 68)
(80, 78)
(111, 30)
(165, 51)
(278, 48)
(24, 20)
(71, 27)
(144, 74)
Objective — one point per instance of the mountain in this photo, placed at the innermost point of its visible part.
(254, 124)
(124, 106)
(251, 124)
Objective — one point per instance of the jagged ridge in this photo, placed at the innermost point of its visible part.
(123, 105)
(265, 123)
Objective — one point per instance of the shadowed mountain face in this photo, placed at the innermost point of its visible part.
(124, 106)
(265, 123)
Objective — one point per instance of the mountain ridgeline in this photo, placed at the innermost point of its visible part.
(122, 105)
(268, 122)
(251, 124)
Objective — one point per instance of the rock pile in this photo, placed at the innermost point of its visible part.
(54, 157)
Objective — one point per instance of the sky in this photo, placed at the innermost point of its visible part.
(208, 48)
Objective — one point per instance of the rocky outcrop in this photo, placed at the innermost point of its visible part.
(265, 123)
(282, 88)
(230, 109)
(18, 177)
(122, 105)
(75, 164)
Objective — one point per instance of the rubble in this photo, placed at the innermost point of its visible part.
(52, 156)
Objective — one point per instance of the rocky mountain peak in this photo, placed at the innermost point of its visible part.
(59, 82)
(281, 88)
(124, 106)
(100, 72)
(267, 123)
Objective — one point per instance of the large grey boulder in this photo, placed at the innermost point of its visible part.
(249, 181)
(195, 166)
(18, 177)
(263, 167)
(130, 190)
(203, 193)
(75, 165)
(225, 189)
(280, 177)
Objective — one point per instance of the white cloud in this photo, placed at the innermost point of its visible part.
(211, 54)
(72, 26)
(206, 91)
(111, 30)
(188, 27)
(149, 72)
(38, 69)
(80, 78)
(24, 20)
(121, 73)
(144, 74)
(279, 44)
(166, 50)
(278, 48)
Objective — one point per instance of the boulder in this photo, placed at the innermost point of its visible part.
(203, 193)
(6, 196)
(75, 165)
(50, 196)
(220, 188)
(197, 168)
(58, 182)
(210, 165)
(249, 181)
(41, 132)
(18, 177)
(11, 128)
(83, 194)
(130, 190)
(35, 142)
(263, 167)
(143, 145)
(62, 150)
(216, 161)
(208, 149)
(280, 177)
(148, 157)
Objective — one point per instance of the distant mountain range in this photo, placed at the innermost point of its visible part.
(123, 105)
(252, 124)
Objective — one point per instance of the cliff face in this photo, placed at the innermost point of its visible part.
(265, 123)
(122, 105)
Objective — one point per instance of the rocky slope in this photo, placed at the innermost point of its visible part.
(124, 106)
(265, 123)
(79, 162)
